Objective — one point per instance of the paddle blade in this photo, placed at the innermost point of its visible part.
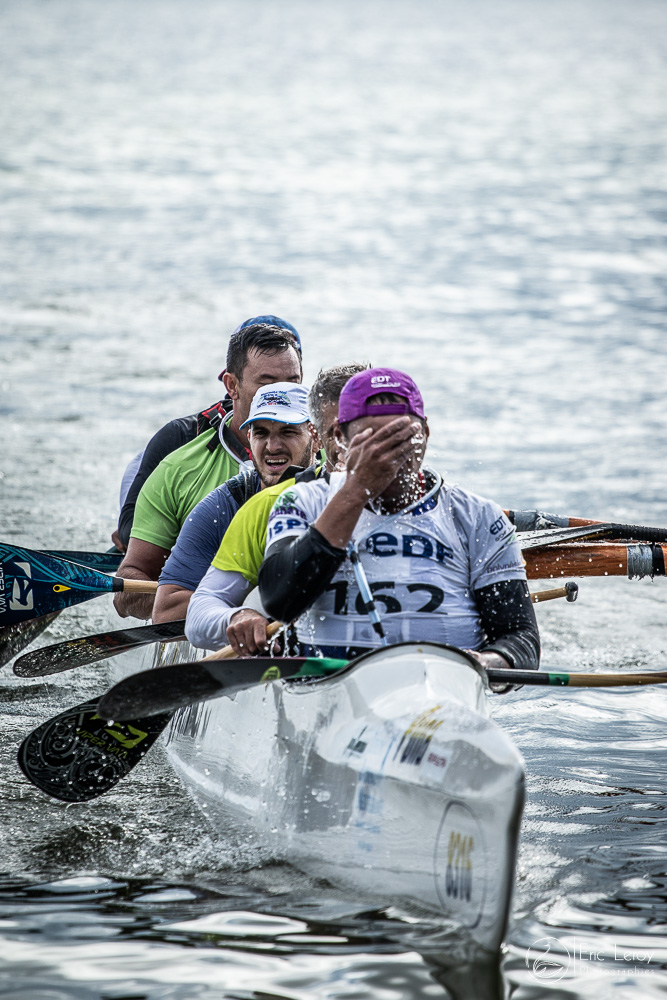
(14, 638)
(103, 562)
(170, 688)
(34, 584)
(91, 648)
(552, 536)
(77, 756)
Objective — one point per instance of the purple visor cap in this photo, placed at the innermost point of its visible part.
(356, 393)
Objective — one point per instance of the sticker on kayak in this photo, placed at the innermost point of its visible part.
(416, 738)
(459, 865)
(21, 598)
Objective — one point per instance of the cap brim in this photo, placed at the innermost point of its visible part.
(276, 419)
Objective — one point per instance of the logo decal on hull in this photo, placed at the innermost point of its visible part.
(21, 599)
(417, 736)
(460, 865)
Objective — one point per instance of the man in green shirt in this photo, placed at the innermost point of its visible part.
(257, 355)
(236, 564)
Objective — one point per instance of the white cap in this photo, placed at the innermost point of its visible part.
(285, 402)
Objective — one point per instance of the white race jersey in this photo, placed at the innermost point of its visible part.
(422, 564)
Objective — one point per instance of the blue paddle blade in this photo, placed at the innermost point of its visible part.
(103, 562)
(34, 584)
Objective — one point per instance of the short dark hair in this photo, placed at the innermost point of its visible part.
(260, 337)
(328, 386)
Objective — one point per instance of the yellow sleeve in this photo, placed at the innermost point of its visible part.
(243, 544)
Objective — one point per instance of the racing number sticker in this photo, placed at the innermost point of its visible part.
(460, 865)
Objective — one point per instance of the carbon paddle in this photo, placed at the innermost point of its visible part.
(91, 648)
(170, 688)
(581, 530)
(33, 584)
(185, 684)
(552, 536)
(79, 754)
(14, 638)
(627, 532)
(87, 649)
(531, 520)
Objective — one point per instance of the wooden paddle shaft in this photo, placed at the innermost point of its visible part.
(570, 591)
(595, 559)
(135, 586)
(228, 652)
(615, 680)
(554, 679)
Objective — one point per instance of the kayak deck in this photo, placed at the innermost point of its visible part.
(389, 779)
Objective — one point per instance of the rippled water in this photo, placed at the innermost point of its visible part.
(473, 192)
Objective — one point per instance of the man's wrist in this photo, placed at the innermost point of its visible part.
(355, 497)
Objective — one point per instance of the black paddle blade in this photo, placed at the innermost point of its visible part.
(169, 688)
(14, 638)
(637, 533)
(34, 584)
(77, 756)
(552, 536)
(91, 648)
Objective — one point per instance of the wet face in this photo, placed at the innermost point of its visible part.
(405, 486)
(260, 369)
(327, 436)
(276, 446)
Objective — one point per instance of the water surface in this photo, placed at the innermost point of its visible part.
(475, 193)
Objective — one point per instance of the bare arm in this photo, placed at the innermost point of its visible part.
(171, 603)
(143, 561)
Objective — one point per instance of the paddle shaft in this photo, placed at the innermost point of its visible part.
(228, 652)
(570, 591)
(550, 679)
(89, 649)
(134, 586)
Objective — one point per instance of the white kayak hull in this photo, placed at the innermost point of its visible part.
(389, 779)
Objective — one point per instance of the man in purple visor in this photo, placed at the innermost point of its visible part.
(441, 563)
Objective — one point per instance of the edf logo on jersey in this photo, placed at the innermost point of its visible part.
(382, 544)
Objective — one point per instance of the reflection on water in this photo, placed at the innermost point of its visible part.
(236, 937)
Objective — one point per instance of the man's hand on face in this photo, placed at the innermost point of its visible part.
(247, 633)
(375, 456)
